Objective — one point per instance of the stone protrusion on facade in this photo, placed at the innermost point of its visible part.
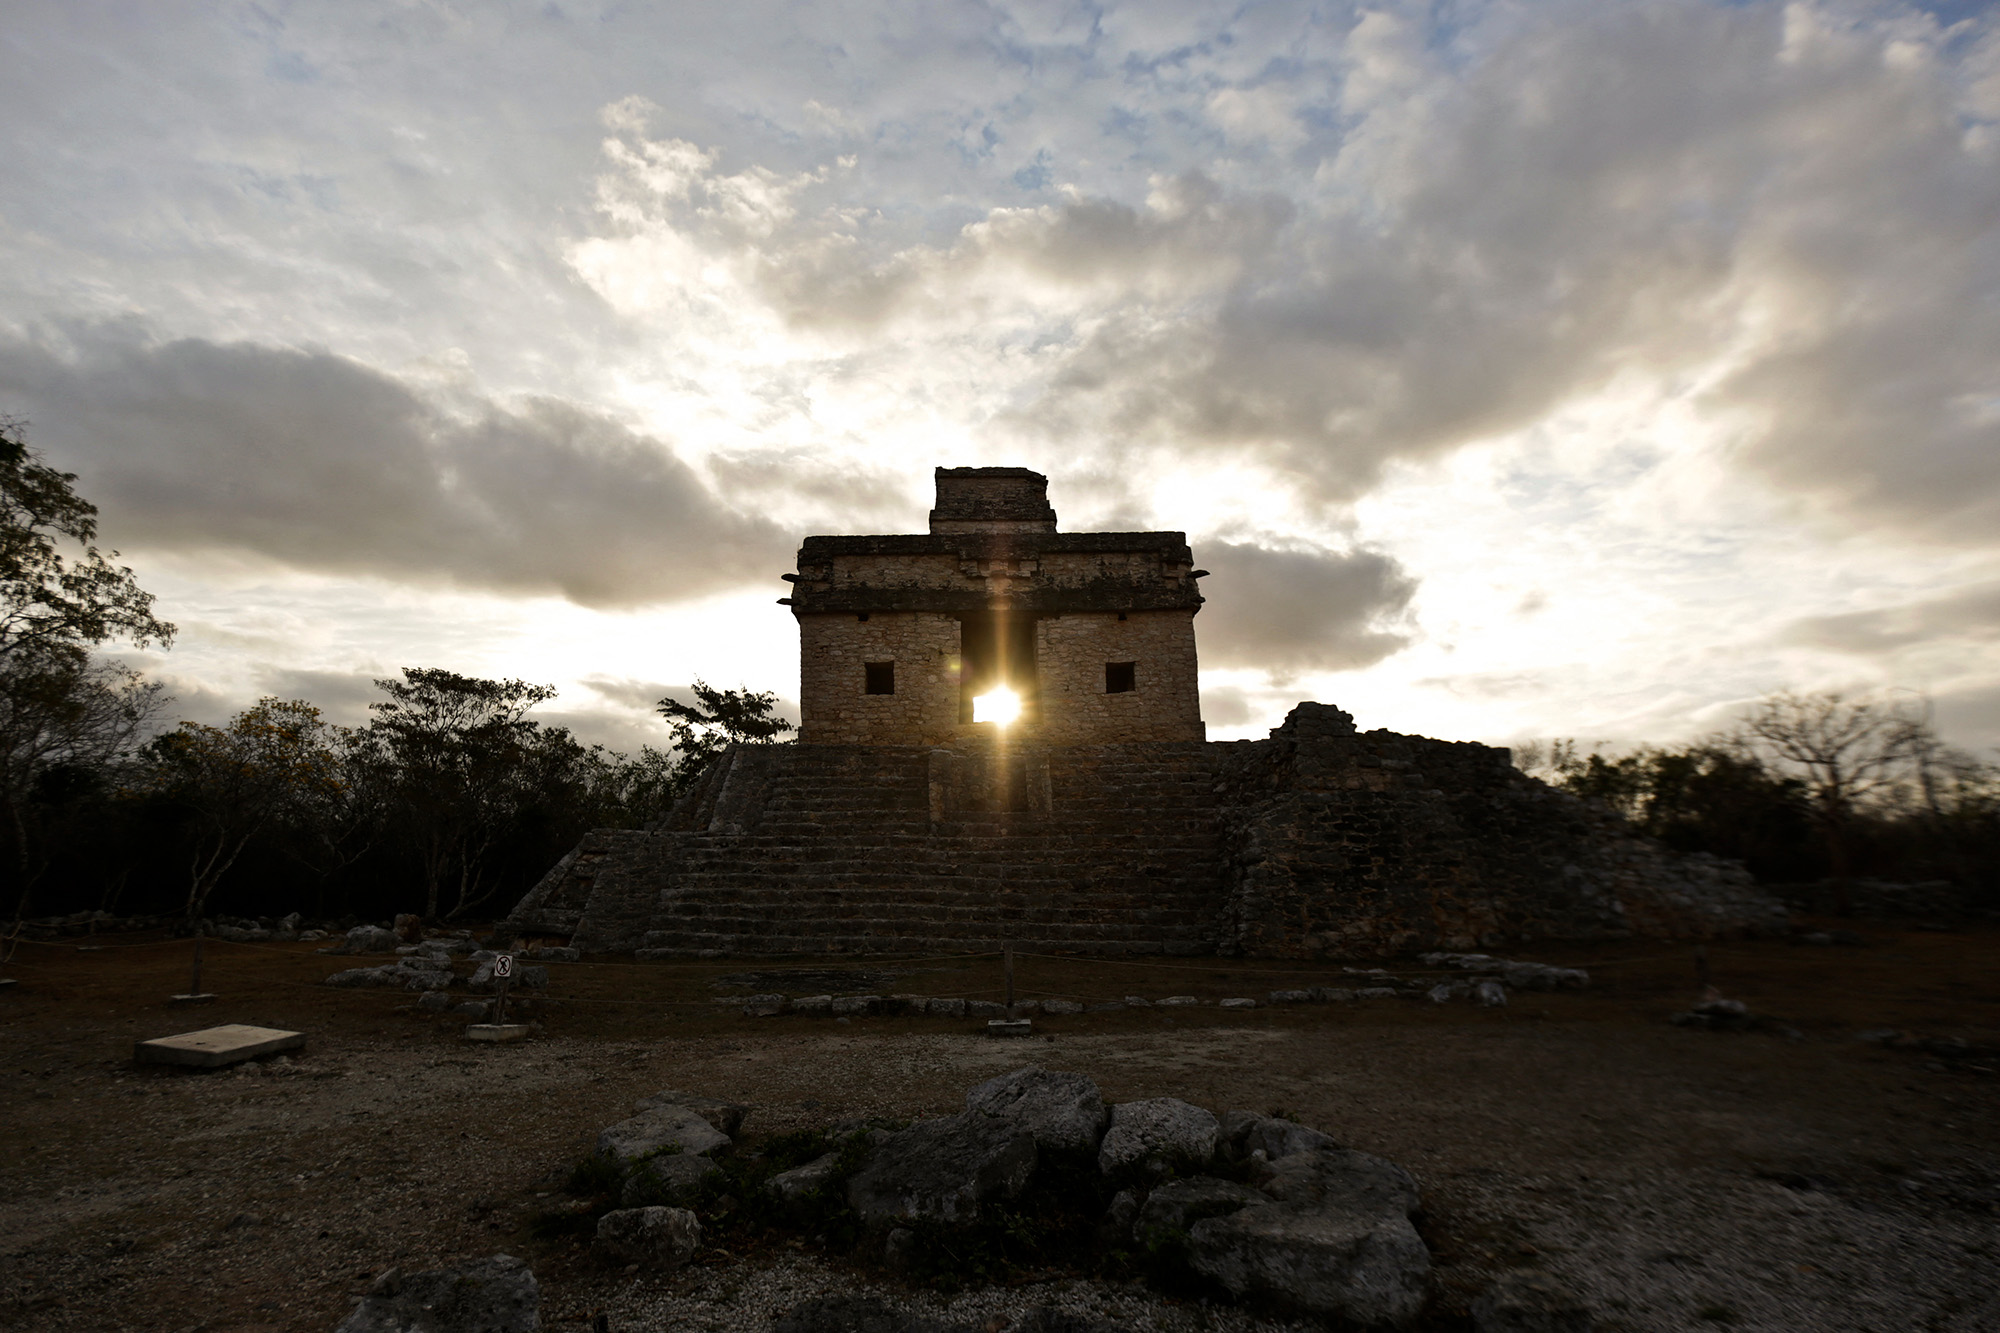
(1094, 631)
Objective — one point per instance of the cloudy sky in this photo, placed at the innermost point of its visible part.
(1520, 369)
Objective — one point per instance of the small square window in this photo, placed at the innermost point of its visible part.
(881, 678)
(1121, 677)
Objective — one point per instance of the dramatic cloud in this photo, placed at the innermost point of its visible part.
(1553, 358)
(325, 464)
(1289, 611)
(1785, 216)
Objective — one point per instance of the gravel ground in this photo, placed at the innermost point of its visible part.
(1679, 1179)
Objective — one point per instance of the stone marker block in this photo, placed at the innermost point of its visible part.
(212, 1048)
(496, 1031)
(1009, 1027)
(202, 998)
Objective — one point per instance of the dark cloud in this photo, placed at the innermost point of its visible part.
(1971, 613)
(329, 465)
(1287, 611)
(341, 696)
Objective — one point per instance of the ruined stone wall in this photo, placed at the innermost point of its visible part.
(1071, 653)
(1379, 843)
(1318, 842)
(833, 652)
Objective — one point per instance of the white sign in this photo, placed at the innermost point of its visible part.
(503, 966)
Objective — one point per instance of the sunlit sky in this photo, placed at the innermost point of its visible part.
(1519, 369)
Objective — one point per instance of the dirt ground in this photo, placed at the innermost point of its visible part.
(1788, 1178)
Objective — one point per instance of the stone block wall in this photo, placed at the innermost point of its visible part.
(1318, 842)
(834, 650)
(1071, 654)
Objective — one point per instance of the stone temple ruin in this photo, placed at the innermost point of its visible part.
(1100, 819)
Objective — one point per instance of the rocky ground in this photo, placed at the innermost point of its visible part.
(1789, 1175)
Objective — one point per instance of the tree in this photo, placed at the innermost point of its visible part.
(272, 761)
(60, 597)
(458, 745)
(716, 720)
(1847, 752)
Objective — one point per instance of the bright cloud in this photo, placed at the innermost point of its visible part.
(1571, 368)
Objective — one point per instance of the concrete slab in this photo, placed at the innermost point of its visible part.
(212, 1048)
(496, 1031)
(1010, 1027)
(203, 998)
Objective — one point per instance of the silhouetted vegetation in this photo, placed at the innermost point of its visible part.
(1808, 788)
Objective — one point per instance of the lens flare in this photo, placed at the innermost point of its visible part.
(999, 705)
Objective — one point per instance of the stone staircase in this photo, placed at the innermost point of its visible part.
(816, 849)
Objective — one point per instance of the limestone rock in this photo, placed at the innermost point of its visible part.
(1179, 1204)
(1525, 1301)
(370, 939)
(726, 1116)
(674, 1127)
(1245, 1132)
(496, 1295)
(793, 1189)
(1336, 1243)
(1343, 1179)
(1064, 1112)
(942, 1170)
(656, 1238)
(670, 1179)
(1328, 1263)
(1154, 1136)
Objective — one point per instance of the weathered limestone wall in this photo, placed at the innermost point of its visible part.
(1071, 653)
(1319, 842)
(834, 649)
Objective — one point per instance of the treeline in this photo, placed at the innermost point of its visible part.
(1807, 789)
(450, 801)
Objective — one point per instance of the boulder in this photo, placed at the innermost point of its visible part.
(496, 1295)
(1064, 1112)
(1336, 1243)
(1343, 1179)
(1525, 1301)
(985, 1009)
(671, 1179)
(1061, 1008)
(1329, 1264)
(946, 1008)
(408, 927)
(726, 1116)
(1179, 1204)
(1489, 994)
(1246, 1132)
(370, 939)
(672, 1128)
(657, 1238)
(1155, 1136)
(853, 1005)
(793, 1189)
(942, 1171)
